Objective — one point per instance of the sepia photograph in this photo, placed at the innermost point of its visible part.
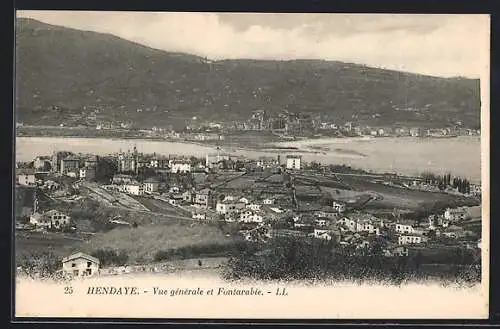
(212, 165)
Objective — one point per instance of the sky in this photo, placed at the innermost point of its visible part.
(438, 45)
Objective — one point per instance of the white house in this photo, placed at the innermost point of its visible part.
(454, 214)
(410, 239)
(250, 217)
(321, 222)
(338, 206)
(351, 224)
(228, 198)
(180, 166)
(80, 264)
(122, 179)
(87, 173)
(253, 206)
(134, 189)
(267, 162)
(435, 221)
(26, 177)
(293, 162)
(39, 220)
(370, 228)
(322, 234)
(245, 200)
(199, 216)
(268, 201)
(229, 207)
(404, 228)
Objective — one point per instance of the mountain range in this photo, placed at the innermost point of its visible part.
(61, 72)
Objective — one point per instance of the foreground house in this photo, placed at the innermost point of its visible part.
(80, 264)
(26, 177)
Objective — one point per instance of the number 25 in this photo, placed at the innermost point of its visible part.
(68, 290)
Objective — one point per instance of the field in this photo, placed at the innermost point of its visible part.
(142, 243)
(162, 207)
(387, 197)
(239, 183)
(111, 198)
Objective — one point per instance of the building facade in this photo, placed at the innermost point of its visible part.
(80, 264)
(293, 162)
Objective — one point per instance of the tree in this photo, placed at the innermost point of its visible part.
(106, 169)
(109, 256)
(418, 260)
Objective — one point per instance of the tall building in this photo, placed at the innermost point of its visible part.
(127, 162)
(293, 162)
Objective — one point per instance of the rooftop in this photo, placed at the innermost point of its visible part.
(80, 255)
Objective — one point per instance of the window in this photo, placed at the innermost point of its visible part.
(89, 264)
(75, 272)
(73, 265)
(88, 271)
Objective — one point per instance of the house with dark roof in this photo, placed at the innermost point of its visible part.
(25, 176)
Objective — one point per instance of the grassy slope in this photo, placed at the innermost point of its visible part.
(144, 242)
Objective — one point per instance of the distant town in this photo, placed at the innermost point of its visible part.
(256, 199)
(285, 125)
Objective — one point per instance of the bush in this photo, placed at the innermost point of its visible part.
(42, 264)
(298, 258)
(111, 257)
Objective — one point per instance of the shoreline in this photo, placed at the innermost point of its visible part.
(351, 151)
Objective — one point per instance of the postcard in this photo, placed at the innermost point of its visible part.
(251, 165)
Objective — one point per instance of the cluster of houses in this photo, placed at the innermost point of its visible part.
(269, 212)
(359, 229)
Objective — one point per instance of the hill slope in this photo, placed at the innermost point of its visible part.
(73, 69)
